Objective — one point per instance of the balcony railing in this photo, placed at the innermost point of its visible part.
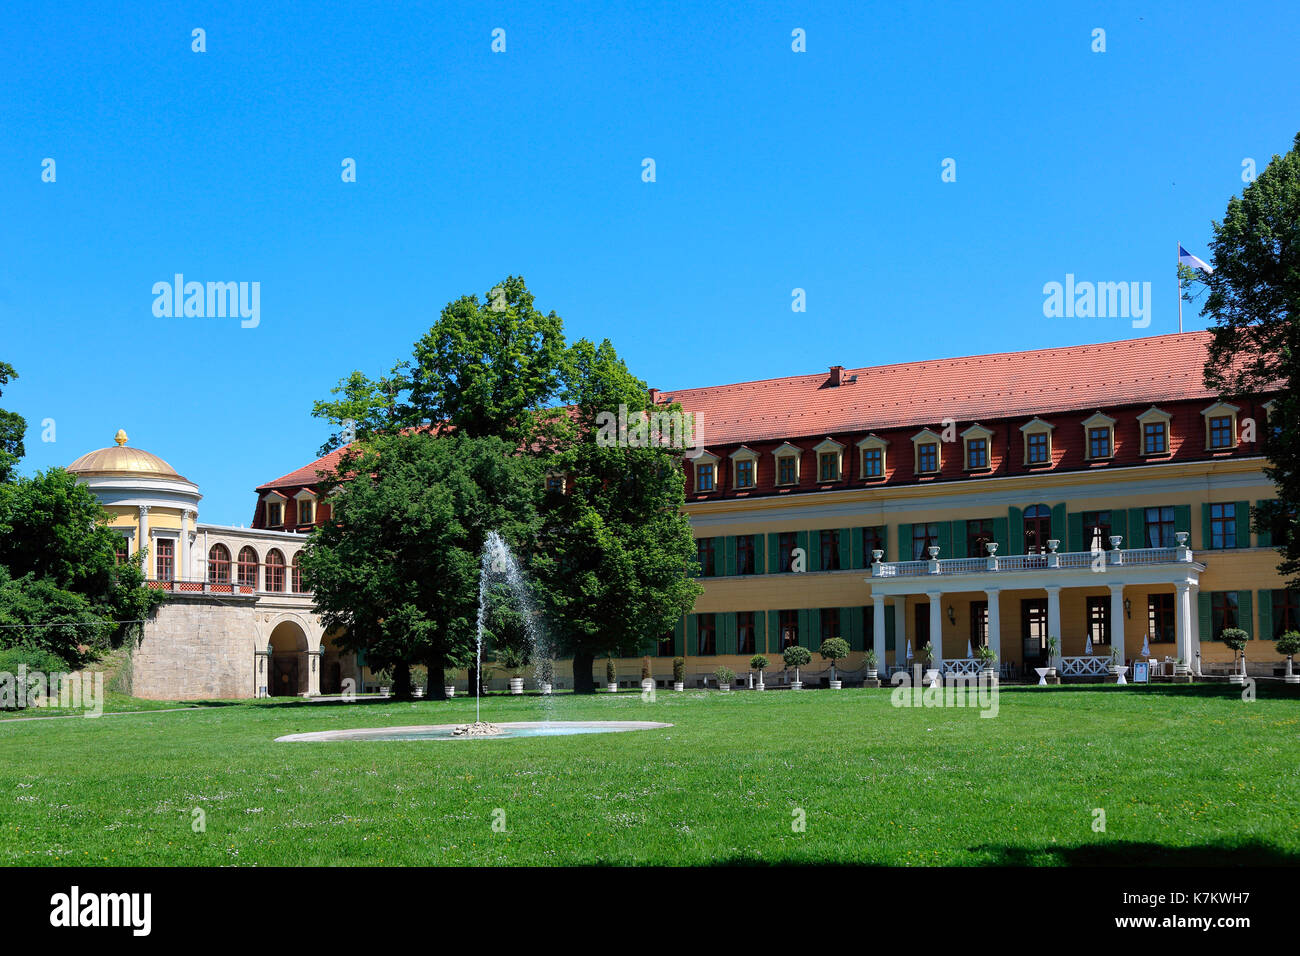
(204, 586)
(1048, 560)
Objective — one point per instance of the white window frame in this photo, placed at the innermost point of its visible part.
(706, 458)
(927, 436)
(1037, 426)
(829, 446)
(1098, 420)
(1222, 410)
(1154, 414)
(743, 453)
(788, 451)
(872, 443)
(977, 431)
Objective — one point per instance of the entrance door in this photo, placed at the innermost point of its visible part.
(1033, 631)
(921, 626)
(286, 676)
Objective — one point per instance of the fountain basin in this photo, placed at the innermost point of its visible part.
(525, 728)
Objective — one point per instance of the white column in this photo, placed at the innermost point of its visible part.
(1117, 620)
(1183, 622)
(144, 540)
(1054, 623)
(1194, 630)
(995, 622)
(187, 552)
(878, 631)
(936, 626)
(900, 631)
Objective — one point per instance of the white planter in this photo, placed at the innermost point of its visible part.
(1236, 678)
(725, 688)
(1120, 672)
(873, 674)
(647, 684)
(612, 688)
(544, 688)
(516, 685)
(451, 691)
(796, 685)
(679, 686)
(836, 684)
(760, 686)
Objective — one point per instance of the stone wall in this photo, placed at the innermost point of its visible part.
(195, 649)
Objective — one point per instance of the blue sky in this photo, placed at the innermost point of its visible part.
(775, 170)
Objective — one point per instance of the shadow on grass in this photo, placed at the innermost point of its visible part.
(1206, 689)
(1114, 854)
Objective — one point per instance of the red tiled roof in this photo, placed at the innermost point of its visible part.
(307, 474)
(1160, 368)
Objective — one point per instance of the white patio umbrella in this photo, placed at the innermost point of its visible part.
(969, 653)
(1146, 646)
(909, 650)
(1087, 645)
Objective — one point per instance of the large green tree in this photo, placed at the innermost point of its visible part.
(1254, 302)
(12, 428)
(395, 570)
(613, 559)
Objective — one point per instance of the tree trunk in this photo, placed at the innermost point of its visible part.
(436, 689)
(582, 680)
(472, 671)
(402, 681)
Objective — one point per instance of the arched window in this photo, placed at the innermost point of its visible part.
(218, 564)
(274, 571)
(247, 567)
(295, 576)
(1038, 528)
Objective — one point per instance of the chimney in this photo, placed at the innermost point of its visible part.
(654, 396)
(837, 376)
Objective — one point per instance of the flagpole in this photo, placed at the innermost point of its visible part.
(1178, 259)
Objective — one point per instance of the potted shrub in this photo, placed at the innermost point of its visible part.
(647, 674)
(988, 662)
(796, 657)
(758, 663)
(611, 676)
(725, 677)
(927, 659)
(873, 668)
(1053, 645)
(449, 683)
(834, 649)
(1236, 638)
(1289, 644)
(515, 659)
(1113, 666)
(679, 673)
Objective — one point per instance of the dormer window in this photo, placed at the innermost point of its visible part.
(1038, 441)
(872, 450)
(555, 484)
(1221, 427)
(706, 473)
(976, 440)
(830, 457)
(1099, 437)
(1155, 431)
(274, 514)
(744, 468)
(787, 464)
(306, 501)
(928, 460)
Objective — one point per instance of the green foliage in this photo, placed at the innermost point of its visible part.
(872, 660)
(1289, 643)
(796, 656)
(12, 428)
(1234, 637)
(514, 658)
(834, 649)
(397, 568)
(1254, 303)
(42, 676)
(758, 663)
(679, 669)
(611, 672)
(724, 676)
(985, 654)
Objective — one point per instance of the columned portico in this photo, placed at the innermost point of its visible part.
(900, 631)
(1183, 628)
(936, 627)
(1117, 621)
(995, 622)
(878, 631)
(1054, 622)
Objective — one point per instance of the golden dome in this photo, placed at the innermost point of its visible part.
(123, 461)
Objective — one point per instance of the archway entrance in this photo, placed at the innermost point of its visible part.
(289, 669)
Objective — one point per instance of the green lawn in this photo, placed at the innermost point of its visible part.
(1184, 775)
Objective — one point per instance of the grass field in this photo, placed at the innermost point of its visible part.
(1185, 776)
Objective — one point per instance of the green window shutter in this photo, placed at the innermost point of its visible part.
(1266, 615)
(1183, 522)
(1015, 531)
(1206, 627)
(679, 637)
(1207, 537)
(1137, 528)
(727, 642)
(889, 629)
(1119, 526)
(846, 547)
(1264, 536)
(884, 547)
(945, 540)
(760, 632)
(729, 551)
(1076, 531)
(1243, 524)
(773, 555)
(1059, 520)
(1246, 614)
(692, 634)
(857, 559)
(802, 539)
(1001, 535)
(958, 540)
(905, 542)
(759, 566)
(774, 632)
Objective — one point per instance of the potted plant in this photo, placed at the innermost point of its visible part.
(449, 683)
(834, 649)
(1289, 644)
(796, 657)
(514, 659)
(1053, 645)
(647, 675)
(988, 662)
(927, 658)
(873, 668)
(1113, 666)
(725, 677)
(759, 663)
(611, 676)
(1236, 638)
(679, 673)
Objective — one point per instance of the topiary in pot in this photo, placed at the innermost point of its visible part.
(796, 657)
(834, 649)
(725, 677)
(758, 663)
(1236, 638)
(1289, 644)
(611, 673)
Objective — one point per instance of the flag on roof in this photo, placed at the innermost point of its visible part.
(1187, 259)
